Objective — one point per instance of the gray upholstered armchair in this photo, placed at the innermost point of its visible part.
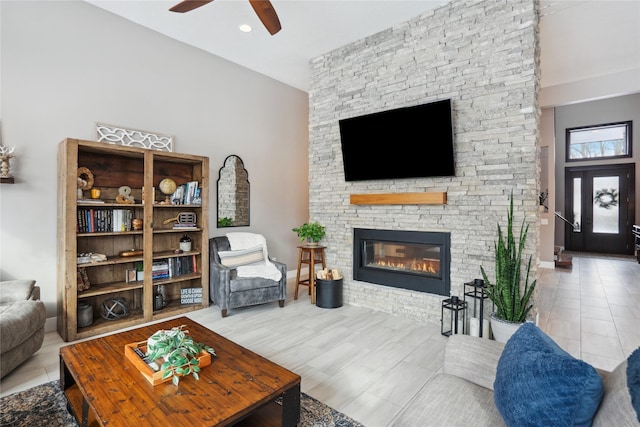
(22, 319)
(236, 278)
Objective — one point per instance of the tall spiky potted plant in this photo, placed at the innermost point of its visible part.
(511, 298)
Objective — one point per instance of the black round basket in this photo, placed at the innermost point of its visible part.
(329, 293)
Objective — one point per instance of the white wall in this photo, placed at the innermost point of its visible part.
(67, 65)
(615, 83)
(547, 182)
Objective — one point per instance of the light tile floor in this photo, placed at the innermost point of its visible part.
(593, 309)
(369, 365)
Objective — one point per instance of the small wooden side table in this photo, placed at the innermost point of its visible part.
(309, 255)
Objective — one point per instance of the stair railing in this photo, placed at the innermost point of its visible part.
(559, 215)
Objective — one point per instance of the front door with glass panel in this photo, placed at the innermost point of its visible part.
(598, 203)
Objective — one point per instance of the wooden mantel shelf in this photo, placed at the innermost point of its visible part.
(439, 198)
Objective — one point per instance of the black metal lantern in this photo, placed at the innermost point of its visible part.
(452, 317)
(477, 292)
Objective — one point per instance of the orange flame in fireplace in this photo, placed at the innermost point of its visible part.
(430, 267)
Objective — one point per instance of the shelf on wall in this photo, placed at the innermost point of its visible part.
(433, 198)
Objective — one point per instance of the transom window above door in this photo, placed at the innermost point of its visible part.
(599, 142)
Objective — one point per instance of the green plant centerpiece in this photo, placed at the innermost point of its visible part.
(310, 231)
(510, 296)
(178, 352)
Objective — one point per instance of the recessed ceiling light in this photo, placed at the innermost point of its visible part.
(245, 28)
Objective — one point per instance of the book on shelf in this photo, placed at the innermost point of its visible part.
(185, 226)
(197, 200)
(191, 192)
(187, 194)
(160, 265)
(174, 267)
(179, 266)
(92, 220)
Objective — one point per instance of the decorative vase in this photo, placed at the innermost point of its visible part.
(158, 301)
(85, 314)
(185, 243)
(503, 329)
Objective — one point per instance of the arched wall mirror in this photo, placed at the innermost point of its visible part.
(233, 193)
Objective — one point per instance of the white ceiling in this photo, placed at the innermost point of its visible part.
(578, 39)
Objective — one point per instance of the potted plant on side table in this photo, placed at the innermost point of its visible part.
(511, 298)
(312, 232)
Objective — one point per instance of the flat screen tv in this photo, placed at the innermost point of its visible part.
(409, 142)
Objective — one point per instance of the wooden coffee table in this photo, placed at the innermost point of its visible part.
(239, 387)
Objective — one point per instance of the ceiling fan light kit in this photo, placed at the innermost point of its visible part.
(263, 8)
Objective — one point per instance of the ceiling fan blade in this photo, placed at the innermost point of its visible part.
(187, 5)
(267, 15)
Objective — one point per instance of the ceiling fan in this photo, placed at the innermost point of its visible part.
(263, 9)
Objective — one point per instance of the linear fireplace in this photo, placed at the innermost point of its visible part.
(415, 260)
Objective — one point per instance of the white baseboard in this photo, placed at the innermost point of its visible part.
(51, 325)
(547, 264)
(291, 274)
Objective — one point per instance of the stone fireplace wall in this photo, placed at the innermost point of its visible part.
(484, 56)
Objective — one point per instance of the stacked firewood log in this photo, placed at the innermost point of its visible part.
(329, 274)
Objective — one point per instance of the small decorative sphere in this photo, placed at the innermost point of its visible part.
(167, 186)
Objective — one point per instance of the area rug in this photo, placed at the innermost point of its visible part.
(45, 405)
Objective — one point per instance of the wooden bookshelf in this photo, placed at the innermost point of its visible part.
(142, 170)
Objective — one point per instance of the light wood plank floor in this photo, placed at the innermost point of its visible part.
(369, 365)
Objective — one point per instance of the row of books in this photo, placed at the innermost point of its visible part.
(172, 267)
(187, 194)
(103, 220)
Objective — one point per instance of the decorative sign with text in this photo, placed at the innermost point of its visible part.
(191, 296)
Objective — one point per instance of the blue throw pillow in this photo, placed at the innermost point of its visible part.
(539, 384)
(633, 380)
